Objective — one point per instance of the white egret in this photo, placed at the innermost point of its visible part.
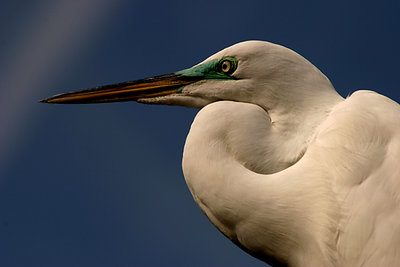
(278, 161)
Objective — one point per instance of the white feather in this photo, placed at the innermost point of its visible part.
(292, 172)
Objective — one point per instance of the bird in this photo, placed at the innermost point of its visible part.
(285, 167)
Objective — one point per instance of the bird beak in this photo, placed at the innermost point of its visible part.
(128, 91)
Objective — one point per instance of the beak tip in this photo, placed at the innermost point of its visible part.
(47, 100)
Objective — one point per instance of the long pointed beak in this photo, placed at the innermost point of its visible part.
(127, 91)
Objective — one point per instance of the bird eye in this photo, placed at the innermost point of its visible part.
(226, 66)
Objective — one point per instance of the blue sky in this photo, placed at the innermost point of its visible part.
(101, 185)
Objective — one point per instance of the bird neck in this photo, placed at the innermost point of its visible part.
(229, 146)
(295, 109)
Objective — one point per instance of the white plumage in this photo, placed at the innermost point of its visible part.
(284, 166)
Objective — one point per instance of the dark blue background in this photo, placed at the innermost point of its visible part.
(101, 185)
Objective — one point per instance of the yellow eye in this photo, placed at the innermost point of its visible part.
(226, 66)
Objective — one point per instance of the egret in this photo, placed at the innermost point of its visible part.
(279, 162)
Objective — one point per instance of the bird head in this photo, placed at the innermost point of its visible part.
(256, 72)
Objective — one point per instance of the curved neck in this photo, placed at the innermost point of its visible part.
(251, 209)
